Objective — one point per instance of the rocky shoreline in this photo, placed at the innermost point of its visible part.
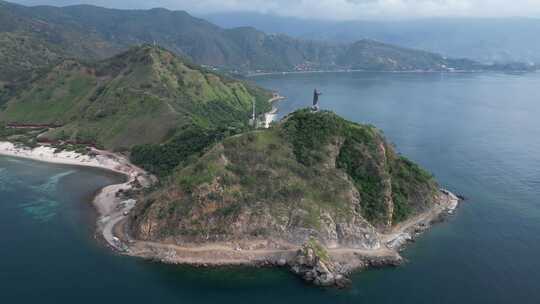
(312, 262)
(322, 267)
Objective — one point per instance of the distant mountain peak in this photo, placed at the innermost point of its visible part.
(142, 54)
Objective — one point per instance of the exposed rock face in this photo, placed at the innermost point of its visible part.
(313, 264)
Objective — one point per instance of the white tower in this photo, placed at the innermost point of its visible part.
(253, 115)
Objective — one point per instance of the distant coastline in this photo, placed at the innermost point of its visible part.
(253, 75)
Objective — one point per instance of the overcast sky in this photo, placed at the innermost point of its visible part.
(332, 9)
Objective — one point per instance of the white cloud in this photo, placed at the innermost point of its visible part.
(334, 9)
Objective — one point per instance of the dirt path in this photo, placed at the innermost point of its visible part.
(235, 253)
(222, 254)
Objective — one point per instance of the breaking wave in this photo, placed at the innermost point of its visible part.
(42, 209)
(51, 184)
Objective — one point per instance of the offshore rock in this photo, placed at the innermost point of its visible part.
(314, 265)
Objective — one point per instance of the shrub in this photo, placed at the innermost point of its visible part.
(163, 159)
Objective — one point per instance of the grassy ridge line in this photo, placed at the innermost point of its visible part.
(148, 92)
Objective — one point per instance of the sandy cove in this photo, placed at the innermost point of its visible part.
(110, 206)
(271, 116)
(113, 209)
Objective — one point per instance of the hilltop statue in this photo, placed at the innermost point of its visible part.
(316, 95)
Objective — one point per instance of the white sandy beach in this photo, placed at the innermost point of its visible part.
(46, 154)
(111, 208)
(271, 116)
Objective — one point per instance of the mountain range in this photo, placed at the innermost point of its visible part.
(37, 36)
(487, 40)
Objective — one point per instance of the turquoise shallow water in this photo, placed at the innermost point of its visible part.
(478, 133)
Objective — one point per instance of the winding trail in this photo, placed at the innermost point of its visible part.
(219, 254)
(259, 252)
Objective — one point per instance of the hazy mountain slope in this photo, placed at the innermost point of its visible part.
(481, 39)
(240, 49)
(92, 32)
(375, 56)
(53, 26)
(145, 95)
(21, 53)
(30, 40)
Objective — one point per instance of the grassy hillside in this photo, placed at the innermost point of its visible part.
(145, 95)
(314, 174)
(34, 38)
(21, 53)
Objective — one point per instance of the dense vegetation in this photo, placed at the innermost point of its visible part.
(146, 95)
(186, 147)
(19, 136)
(301, 175)
(371, 173)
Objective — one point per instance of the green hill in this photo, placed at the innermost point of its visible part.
(35, 37)
(145, 95)
(313, 174)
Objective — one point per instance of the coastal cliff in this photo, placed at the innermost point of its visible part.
(315, 178)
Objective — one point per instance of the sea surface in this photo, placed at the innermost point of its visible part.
(478, 133)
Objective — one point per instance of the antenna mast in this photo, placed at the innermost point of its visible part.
(253, 116)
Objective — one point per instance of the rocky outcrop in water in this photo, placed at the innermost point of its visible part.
(314, 265)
